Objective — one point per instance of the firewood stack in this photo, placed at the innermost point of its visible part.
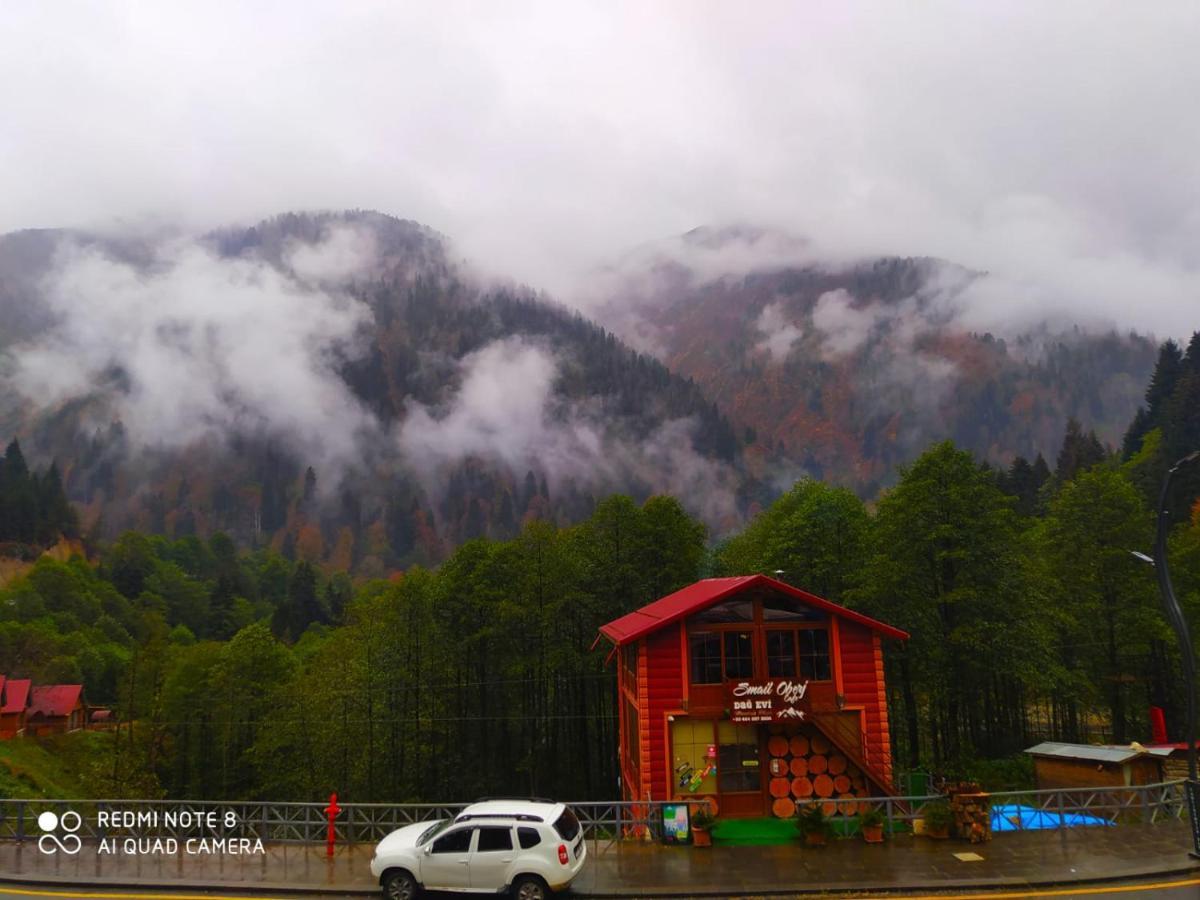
(805, 767)
(972, 811)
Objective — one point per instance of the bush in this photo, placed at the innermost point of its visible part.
(937, 816)
(871, 818)
(812, 820)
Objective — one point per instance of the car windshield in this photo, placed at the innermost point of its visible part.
(433, 831)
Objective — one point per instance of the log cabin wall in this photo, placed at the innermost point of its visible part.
(664, 695)
(666, 719)
(863, 686)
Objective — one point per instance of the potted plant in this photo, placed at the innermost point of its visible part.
(871, 823)
(814, 826)
(938, 819)
(702, 823)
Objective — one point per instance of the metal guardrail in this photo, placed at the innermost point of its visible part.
(609, 821)
(1073, 807)
(284, 822)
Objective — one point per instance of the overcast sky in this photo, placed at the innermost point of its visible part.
(1054, 144)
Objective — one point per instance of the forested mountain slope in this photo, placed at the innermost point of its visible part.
(336, 386)
(845, 370)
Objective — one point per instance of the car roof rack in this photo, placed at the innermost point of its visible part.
(520, 817)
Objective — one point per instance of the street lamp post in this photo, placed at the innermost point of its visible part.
(1186, 650)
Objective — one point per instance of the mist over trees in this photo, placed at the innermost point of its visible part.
(1029, 617)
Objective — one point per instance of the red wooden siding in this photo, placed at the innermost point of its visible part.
(664, 690)
(862, 680)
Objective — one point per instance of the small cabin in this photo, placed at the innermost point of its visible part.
(56, 708)
(753, 694)
(14, 704)
(1057, 765)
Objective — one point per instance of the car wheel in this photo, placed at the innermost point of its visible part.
(399, 886)
(529, 887)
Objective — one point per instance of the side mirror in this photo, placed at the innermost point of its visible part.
(429, 848)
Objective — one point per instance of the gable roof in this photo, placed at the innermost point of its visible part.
(54, 699)
(16, 695)
(709, 592)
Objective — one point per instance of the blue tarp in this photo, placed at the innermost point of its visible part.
(1006, 818)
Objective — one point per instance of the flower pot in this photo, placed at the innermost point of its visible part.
(873, 834)
(815, 839)
(701, 837)
(939, 834)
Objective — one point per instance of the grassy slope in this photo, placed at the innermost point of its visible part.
(50, 767)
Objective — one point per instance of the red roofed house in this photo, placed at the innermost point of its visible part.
(55, 708)
(14, 701)
(755, 694)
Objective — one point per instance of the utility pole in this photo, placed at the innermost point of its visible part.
(1187, 651)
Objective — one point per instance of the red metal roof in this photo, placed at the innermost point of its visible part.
(54, 699)
(709, 592)
(16, 695)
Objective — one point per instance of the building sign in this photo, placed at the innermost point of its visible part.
(767, 700)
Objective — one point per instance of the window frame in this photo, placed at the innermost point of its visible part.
(469, 829)
(714, 633)
(797, 651)
(505, 829)
(759, 628)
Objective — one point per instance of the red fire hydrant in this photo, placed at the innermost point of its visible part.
(331, 812)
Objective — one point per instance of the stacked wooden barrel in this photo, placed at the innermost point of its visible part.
(805, 767)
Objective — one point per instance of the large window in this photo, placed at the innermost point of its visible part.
(729, 612)
(781, 654)
(777, 608)
(739, 655)
(705, 649)
(814, 653)
(802, 651)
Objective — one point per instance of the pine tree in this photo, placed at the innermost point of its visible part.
(1080, 451)
(18, 498)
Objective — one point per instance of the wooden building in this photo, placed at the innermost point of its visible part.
(753, 693)
(1057, 765)
(14, 705)
(56, 708)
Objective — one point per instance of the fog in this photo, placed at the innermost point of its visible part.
(195, 346)
(1049, 145)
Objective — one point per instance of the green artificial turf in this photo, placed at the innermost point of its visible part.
(755, 832)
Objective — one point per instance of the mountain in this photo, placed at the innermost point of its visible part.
(337, 386)
(341, 387)
(845, 370)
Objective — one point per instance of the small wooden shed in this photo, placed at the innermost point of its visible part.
(1058, 765)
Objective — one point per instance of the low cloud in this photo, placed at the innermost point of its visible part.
(500, 412)
(193, 345)
(779, 334)
(345, 252)
(506, 411)
(844, 327)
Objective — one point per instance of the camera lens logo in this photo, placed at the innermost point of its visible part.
(50, 842)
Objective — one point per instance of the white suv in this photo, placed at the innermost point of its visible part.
(531, 846)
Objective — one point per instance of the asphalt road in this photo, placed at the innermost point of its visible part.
(1169, 889)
